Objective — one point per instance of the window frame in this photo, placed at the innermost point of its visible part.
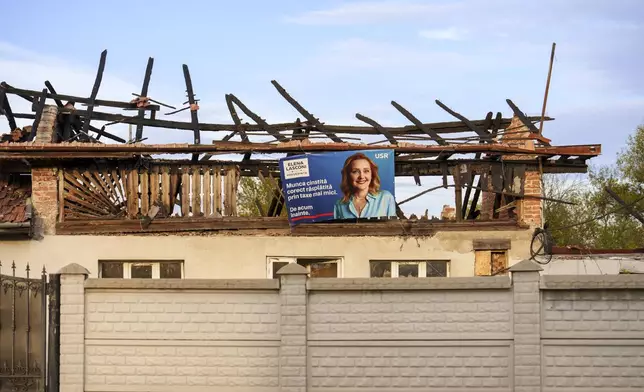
(294, 259)
(422, 267)
(127, 268)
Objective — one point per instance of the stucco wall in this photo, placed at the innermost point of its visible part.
(244, 256)
(521, 333)
(592, 338)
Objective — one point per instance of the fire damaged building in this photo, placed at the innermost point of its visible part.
(72, 191)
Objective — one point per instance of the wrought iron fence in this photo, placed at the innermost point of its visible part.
(23, 331)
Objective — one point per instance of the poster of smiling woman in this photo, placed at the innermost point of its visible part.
(345, 185)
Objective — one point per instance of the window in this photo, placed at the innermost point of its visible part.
(494, 262)
(317, 267)
(408, 269)
(140, 269)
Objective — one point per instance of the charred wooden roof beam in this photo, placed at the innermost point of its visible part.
(97, 85)
(193, 109)
(144, 94)
(309, 117)
(517, 112)
(5, 108)
(483, 133)
(239, 127)
(260, 121)
(424, 127)
(29, 94)
(377, 126)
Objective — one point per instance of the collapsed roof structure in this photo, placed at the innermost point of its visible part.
(487, 161)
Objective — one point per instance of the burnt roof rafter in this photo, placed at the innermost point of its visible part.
(437, 141)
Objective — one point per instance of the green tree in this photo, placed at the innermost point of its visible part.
(612, 229)
(254, 192)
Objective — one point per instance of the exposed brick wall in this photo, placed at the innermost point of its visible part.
(344, 335)
(47, 124)
(528, 210)
(44, 191)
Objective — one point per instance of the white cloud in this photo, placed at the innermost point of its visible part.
(361, 53)
(372, 12)
(448, 34)
(25, 69)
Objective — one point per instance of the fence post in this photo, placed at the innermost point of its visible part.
(293, 299)
(527, 326)
(72, 328)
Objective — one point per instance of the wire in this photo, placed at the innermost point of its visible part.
(544, 236)
(599, 216)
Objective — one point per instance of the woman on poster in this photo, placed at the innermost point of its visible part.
(362, 196)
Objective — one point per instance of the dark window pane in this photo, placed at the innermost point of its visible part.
(324, 270)
(276, 267)
(380, 269)
(170, 270)
(436, 269)
(141, 271)
(408, 270)
(111, 269)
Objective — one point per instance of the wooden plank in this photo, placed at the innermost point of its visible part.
(234, 190)
(185, 191)
(309, 117)
(132, 208)
(458, 191)
(145, 192)
(207, 191)
(80, 189)
(483, 133)
(260, 121)
(196, 192)
(166, 191)
(118, 179)
(193, 109)
(227, 192)
(99, 187)
(5, 108)
(144, 93)
(377, 126)
(97, 85)
(482, 263)
(154, 184)
(175, 191)
(499, 263)
(76, 99)
(383, 228)
(424, 127)
(78, 194)
(217, 190)
(101, 177)
(522, 117)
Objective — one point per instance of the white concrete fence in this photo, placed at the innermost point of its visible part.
(521, 333)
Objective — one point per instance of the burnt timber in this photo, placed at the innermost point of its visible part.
(484, 151)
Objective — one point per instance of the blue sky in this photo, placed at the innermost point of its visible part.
(342, 57)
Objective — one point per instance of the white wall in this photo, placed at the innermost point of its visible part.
(244, 256)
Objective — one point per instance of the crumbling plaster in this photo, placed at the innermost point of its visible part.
(236, 257)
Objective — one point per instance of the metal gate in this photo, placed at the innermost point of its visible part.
(26, 334)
